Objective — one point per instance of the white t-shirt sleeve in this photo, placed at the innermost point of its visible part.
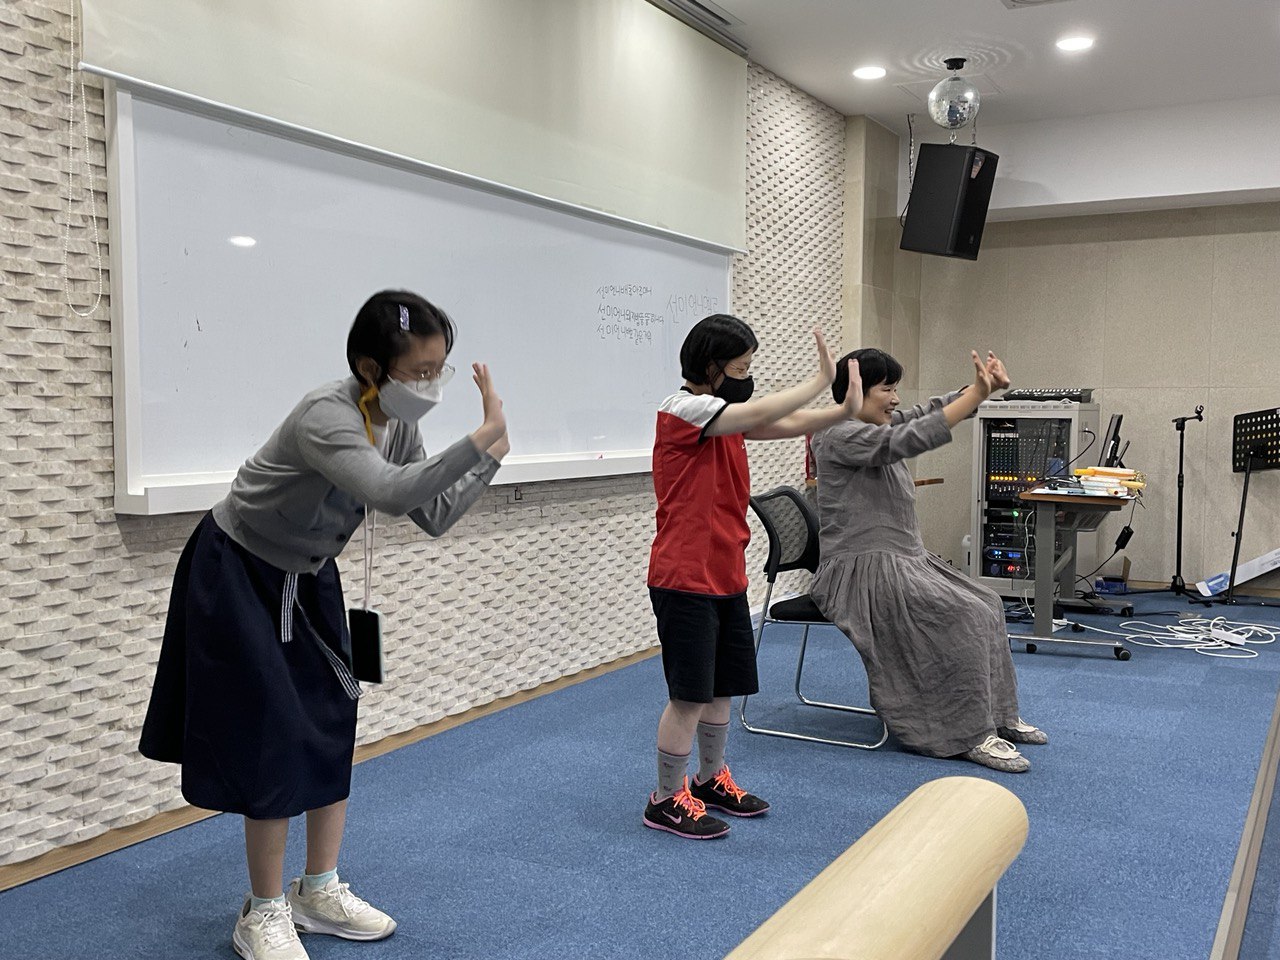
(699, 410)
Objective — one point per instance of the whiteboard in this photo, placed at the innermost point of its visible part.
(580, 318)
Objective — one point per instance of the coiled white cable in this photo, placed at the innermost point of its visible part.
(1209, 636)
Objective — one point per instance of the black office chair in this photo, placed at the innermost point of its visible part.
(792, 530)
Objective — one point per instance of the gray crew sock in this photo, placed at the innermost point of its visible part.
(711, 742)
(672, 769)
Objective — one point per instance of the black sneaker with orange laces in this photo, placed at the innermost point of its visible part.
(722, 793)
(683, 815)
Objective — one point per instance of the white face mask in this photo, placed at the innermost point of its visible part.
(409, 402)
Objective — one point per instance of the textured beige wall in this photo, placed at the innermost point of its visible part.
(1159, 312)
(520, 592)
(882, 283)
(790, 280)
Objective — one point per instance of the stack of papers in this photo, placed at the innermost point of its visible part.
(1113, 481)
(1118, 492)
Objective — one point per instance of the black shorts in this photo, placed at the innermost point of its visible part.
(708, 648)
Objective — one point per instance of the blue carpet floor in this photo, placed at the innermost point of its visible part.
(518, 835)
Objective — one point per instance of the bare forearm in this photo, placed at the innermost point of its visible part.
(799, 424)
(487, 435)
(747, 417)
(963, 406)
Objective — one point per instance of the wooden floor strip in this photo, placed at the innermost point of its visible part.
(1235, 908)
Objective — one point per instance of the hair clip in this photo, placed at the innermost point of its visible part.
(404, 318)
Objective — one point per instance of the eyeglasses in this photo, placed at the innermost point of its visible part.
(441, 376)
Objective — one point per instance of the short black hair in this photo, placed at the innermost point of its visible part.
(718, 339)
(874, 366)
(378, 334)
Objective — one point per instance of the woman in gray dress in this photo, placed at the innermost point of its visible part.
(934, 642)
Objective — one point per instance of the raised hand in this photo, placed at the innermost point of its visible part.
(995, 367)
(983, 381)
(495, 421)
(826, 360)
(853, 399)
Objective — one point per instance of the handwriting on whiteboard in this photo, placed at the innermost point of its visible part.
(629, 312)
(624, 313)
(691, 306)
(623, 290)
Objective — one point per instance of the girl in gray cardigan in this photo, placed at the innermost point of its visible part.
(254, 694)
(934, 642)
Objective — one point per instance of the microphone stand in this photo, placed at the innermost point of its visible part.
(1177, 585)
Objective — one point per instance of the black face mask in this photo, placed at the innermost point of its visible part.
(733, 390)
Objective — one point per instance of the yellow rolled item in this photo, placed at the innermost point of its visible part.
(1108, 473)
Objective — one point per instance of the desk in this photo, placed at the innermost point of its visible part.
(1079, 513)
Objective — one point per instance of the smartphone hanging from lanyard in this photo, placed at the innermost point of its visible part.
(366, 624)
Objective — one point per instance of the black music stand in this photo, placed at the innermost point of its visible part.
(1255, 445)
(1177, 585)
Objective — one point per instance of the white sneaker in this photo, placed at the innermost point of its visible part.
(267, 933)
(998, 755)
(335, 910)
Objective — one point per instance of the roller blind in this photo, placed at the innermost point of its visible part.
(608, 104)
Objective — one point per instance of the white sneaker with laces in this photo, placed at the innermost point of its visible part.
(267, 933)
(335, 910)
(998, 755)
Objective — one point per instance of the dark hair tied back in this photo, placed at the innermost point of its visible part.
(379, 331)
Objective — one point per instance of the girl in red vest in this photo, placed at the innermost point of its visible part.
(697, 567)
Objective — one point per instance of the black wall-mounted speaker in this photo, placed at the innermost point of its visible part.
(949, 196)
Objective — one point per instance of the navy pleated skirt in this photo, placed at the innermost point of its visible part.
(246, 695)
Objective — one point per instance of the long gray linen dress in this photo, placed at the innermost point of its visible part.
(933, 642)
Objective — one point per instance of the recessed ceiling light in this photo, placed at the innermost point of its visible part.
(869, 73)
(1073, 44)
(241, 241)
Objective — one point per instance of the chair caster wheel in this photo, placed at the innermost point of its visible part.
(1032, 648)
(1077, 628)
(1126, 611)
(1122, 654)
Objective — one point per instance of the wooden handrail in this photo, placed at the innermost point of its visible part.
(909, 886)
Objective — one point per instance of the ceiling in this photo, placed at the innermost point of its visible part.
(1148, 53)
